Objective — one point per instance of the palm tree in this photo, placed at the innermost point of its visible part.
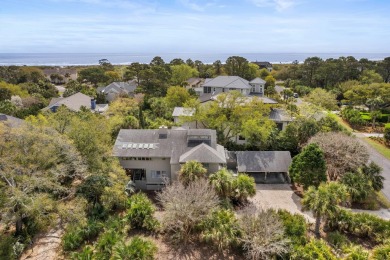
(222, 181)
(191, 171)
(324, 201)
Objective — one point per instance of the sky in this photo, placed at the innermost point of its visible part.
(194, 26)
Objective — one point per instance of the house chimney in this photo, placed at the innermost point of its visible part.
(162, 132)
(93, 104)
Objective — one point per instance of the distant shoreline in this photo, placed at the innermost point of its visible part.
(90, 59)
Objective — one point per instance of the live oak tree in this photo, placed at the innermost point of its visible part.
(232, 114)
(309, 167)
(343, 153)
(38, 170)
(322, 98)
(181, 73)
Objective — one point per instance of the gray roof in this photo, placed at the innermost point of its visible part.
(246, 99)
(119, 87)
(173, 146)
(74, 102)
(262, 63)
(183, 111)
(10, 120)
(257, 81)
(233, 82)
(263, 161)
(204, 154)
(279, 115)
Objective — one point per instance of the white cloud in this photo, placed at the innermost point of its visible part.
(279, 5)
(192, 5)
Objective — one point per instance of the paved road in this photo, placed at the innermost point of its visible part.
(382, 162)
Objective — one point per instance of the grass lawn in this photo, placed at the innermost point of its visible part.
(379, 147)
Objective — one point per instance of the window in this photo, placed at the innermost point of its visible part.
(137, 174)
(158, 174)
(205, 165)
(253, 89)
(241, 138)
(207, 89)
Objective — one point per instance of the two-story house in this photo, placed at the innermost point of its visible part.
(152, 157)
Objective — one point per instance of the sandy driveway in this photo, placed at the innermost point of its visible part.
(279, 196)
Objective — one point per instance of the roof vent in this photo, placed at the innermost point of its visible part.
(162, 132)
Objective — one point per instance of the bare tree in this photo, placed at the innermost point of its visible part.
(262, 234)
(343, 153)
(186, 206)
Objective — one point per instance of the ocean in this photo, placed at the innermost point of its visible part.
(68, 59)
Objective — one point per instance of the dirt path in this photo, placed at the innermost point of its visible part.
(46, 246)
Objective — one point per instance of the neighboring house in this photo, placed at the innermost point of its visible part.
(60, 75)
(115, 89)
(222, 84)
(196, 84)
(263, 65)
(180, 113)
(280, 117)
(152, 157)
(11, 121)
(76, 102)
(264, 166)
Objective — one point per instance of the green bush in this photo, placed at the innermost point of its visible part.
(105, 244)
(72, 239)
(244, 187)
(295, 227)
(220, 228)
(361, 225)
(381, 252)
(356, 253)
(6, 247)
(85, 254)
(337, 240)
(352, 116)
(358, 185)
(76, 235)
(315, 249)
(140, 212)
(137, 249)
(387, 134)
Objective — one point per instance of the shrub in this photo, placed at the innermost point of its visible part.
(337, 240)
(262, 234)
(76, 235)
(381, 252)
(220, 228)
(295, 227)
(243, 187)
(358, 185)
(72, 239)
(185, 207)
(356, 253)
(387, 134)
(140, 212)
(85, 254)
(137, 249)
(361, 225)
(6, 247)
(315, 249)
(105, 244)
